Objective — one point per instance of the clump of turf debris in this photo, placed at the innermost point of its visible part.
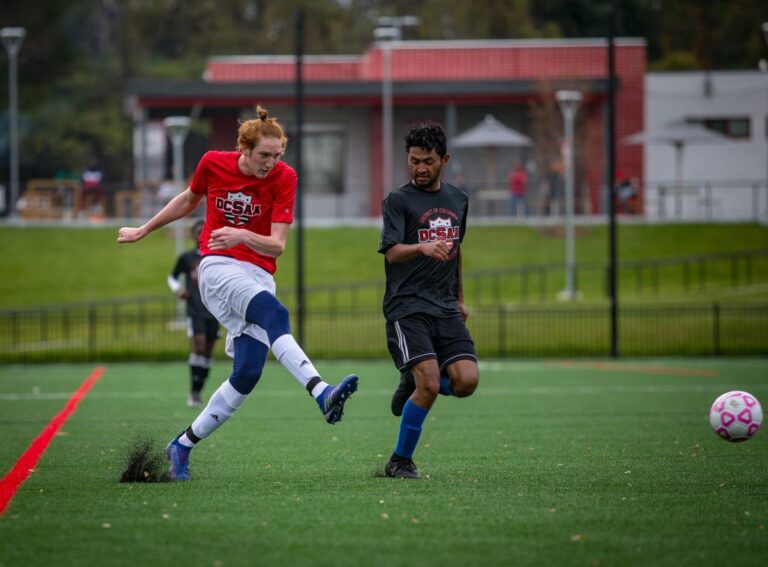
(145, 463)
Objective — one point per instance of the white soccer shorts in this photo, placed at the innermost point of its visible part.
(227, 287)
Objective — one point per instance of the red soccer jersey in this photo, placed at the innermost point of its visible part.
(243, 201)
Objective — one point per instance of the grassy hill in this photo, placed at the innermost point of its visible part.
(47, 265)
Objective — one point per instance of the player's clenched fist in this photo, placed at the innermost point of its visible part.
(129, 234)
(225, 237)
(437, 250)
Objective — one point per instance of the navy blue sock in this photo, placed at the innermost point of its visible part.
(445, 386)
(410, 429)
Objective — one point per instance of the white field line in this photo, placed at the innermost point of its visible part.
(682, 388)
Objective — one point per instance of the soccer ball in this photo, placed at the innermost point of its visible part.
(736, 416)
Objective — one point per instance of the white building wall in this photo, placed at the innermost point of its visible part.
(725, 181)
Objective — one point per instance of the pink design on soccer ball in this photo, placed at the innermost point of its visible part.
(749, 401)
(723, 432)
(727, 418)
(745, 416)
(719, 406)
(752, 429)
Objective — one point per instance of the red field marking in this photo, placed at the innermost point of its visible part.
(11, 482)
(639, 368)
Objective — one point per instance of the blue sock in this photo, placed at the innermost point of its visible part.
(445, 386)
(410, 429)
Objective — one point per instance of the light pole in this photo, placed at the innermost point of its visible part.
(764, 28)
(12, 40)
(389, 30)
(177, 127)
(569, 102)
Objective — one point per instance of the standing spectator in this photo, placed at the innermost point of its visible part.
(250, 195)
(202, 327)
(93, 192)
(556, 189)
(518, 190)
(626, 193)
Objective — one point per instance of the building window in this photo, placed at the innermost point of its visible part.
(737, 127)
(322, 153)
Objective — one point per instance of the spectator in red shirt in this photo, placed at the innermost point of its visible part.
(518, 190)
(92, 197)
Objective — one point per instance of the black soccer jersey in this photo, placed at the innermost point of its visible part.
(423, 285)
(188, 264)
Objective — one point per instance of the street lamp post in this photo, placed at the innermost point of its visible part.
(569, 102)
(177, 127)
(12, 40)
(764, 29)
(389, 31)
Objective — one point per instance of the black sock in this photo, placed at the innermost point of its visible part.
(312, 383)
(198, 376)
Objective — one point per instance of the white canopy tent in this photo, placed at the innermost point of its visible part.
(491, 135)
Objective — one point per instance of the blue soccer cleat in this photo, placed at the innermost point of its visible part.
(333, 398)
(178, 456)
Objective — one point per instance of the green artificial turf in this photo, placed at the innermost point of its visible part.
(549, 463)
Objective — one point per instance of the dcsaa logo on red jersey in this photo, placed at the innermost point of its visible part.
(238, 208)
(440, 228)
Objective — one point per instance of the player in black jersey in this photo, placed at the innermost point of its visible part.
(424, 224)
(202, 327)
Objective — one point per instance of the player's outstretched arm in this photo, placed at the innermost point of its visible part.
(180, 206)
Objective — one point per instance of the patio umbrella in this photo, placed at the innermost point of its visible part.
(678, 134)
(490, 134)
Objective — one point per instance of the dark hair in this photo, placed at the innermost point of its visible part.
(199, 224)
(427, 135)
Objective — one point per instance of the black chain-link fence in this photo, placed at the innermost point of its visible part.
(150, 329)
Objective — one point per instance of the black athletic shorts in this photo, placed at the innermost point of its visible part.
(418, 337)
(203, 326)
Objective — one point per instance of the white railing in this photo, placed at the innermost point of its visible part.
(707, 201)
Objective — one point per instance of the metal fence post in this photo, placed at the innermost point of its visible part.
(14, 329)
(92, 332)
(716, 328)
(502, 330)
(524, 285)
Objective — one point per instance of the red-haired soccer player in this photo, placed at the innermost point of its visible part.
(249, 196)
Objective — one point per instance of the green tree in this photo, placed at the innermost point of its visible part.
(79, 53)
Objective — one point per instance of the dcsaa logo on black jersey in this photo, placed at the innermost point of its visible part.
(440, 228)
(237, 208)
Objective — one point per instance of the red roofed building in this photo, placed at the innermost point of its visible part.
(453, 82)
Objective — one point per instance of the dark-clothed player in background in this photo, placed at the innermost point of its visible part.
(249, 196)
(202, 327)
(424, 224)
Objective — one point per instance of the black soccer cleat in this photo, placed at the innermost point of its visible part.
(401, 467)
(404, 389)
